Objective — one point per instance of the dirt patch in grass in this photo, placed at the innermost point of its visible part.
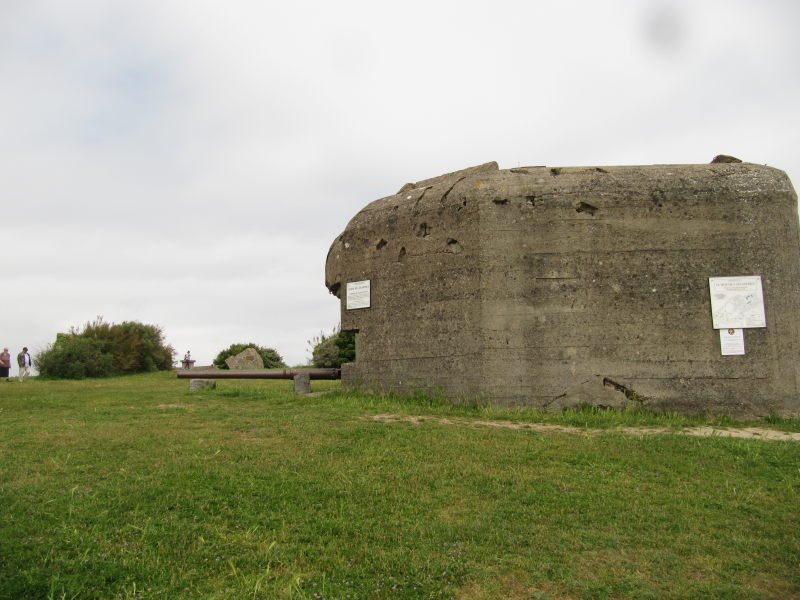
(510, 586)
(759, 433)
(776, 587)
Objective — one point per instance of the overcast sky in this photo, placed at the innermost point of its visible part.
(187, 163)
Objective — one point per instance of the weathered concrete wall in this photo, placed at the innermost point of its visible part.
(550, 287)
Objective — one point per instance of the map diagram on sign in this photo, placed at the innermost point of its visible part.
(737, 302)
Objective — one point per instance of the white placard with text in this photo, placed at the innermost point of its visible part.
(731, 342)
(737, 302)
(358, 294)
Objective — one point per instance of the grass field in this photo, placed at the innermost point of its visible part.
(134, 488)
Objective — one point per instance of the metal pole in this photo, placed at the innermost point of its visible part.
(259, 374)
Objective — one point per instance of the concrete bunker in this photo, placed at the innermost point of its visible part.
(553, 287)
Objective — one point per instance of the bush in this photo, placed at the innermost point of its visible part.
(346, 342)
(136, 347)
(326, 354)
(271, 358)
(103, 349)
(332, 351)
(72, 357)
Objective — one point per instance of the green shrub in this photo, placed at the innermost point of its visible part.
(103, 349)
(326, 354)
(332, 351)
(136, 347)
(72, 357)
(271, 358)
(346, 342)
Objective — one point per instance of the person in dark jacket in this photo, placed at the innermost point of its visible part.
(24, 362)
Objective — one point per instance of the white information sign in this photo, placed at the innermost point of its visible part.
(737, 302)
(358, 294)
(731, 341)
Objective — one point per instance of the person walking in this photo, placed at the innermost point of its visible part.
(5, 364)
(24, 362)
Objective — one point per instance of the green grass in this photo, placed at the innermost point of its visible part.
(134, 488)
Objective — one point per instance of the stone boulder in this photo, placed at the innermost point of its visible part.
(196, 385)
(247, 359)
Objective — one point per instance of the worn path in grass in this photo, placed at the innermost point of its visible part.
(759, 433)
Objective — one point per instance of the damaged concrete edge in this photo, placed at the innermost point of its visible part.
(629, 393)
(489, 167)
(492, 166)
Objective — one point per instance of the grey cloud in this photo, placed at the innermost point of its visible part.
(665, 26)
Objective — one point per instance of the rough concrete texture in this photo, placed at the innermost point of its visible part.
(248, 358)
(553, 287)
(196, 385)
(302, 383)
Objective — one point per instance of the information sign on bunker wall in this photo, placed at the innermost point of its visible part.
(737, 302)
(731, 342)
(358, 294)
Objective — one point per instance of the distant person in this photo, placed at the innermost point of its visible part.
(24, 362)
(187, 360)
(5, 364)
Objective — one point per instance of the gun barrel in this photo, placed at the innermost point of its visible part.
(258, 374)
